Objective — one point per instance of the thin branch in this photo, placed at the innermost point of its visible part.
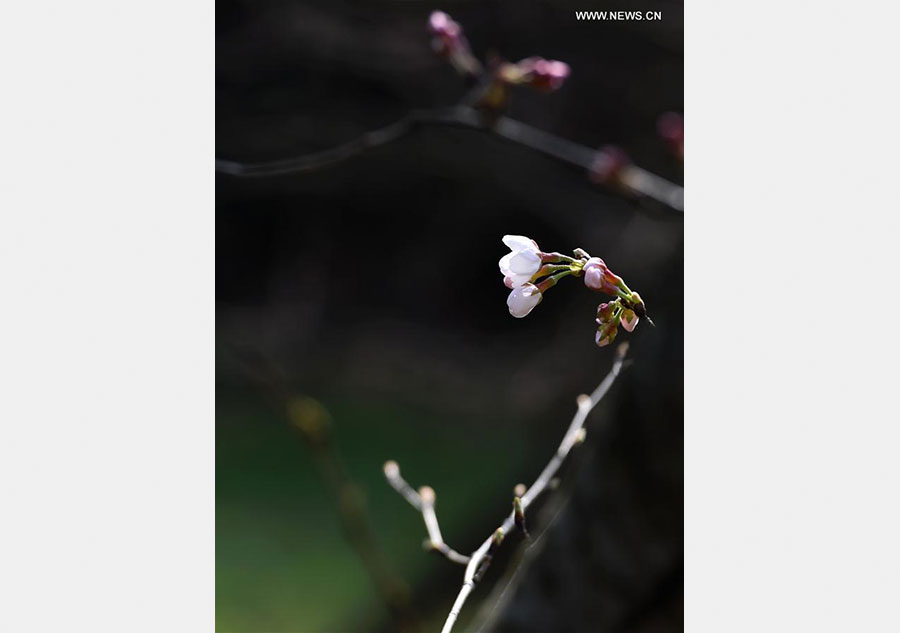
(634, 178)
(504, 589)
(423, 501)
(481, 557)
(648, 184)
(572, 437)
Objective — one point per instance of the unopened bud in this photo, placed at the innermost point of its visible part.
(598, 276)
(310, 417)
(449, 42)
(671, 128)
(519, 516)
(541, 74)
(427, 495)
(442, 26)
(605, 312)
(594, 273)
(580, 436)
(608, 165)
(391, 469)
(517, 507)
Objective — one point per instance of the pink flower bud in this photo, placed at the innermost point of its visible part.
(671, 128)
(542, 74)
(593, 273)
(446, 32)
(523, 299)
(597, 276)
(448, 41)
(608, 165)
(605, 312)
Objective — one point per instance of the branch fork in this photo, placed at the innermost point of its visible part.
(478, 562)
(423, 500)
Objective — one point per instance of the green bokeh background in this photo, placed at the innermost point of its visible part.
(281, 557)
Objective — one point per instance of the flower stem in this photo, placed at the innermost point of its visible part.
(552, 258)
(551, 281)
(550, 269)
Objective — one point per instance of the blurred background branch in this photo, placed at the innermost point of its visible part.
(314, 423)
(633, 179)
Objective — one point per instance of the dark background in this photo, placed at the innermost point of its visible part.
(372, 286)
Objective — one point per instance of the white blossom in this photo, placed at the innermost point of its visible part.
(522, 300)
(522, 262)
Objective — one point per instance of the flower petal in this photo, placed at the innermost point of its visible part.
(514, 280)
(504, 264)
(525, 262)
(523, 299)
(629, 320)
(517, 243)
(593, 278)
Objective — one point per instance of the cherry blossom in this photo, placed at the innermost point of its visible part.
(522, 262)
(523, 299)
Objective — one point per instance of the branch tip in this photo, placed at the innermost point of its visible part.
(391, 469)
(427, 494)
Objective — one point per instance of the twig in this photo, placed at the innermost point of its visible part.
(313, 422)
(504, 589)
(480, 558)
(634, 178)
(423, 501)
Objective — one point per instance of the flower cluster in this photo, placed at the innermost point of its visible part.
(529, 272)
(448, 41)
